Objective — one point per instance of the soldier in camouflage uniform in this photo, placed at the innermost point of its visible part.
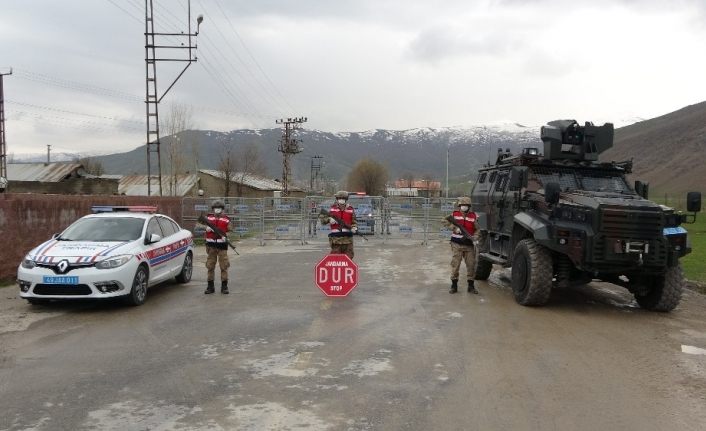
(462, 247)
(341, 237)
(217, 248)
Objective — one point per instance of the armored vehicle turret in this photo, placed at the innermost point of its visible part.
(562, 218)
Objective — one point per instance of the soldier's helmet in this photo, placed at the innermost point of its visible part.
(217, 204)
(341, 194)
(463, 200)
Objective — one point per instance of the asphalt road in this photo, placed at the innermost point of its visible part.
(399, 353)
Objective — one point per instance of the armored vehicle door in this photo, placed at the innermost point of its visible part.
(500, 202)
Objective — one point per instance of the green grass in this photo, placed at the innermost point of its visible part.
(694, 264)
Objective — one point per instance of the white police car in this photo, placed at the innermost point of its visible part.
(115, 252)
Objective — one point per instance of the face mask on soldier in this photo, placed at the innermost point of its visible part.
(464, 208)
(218, 210)
(341, 201)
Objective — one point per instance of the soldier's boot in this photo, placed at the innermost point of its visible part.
(454, 286)
(224, 287)
(472, 287)
(210, 288)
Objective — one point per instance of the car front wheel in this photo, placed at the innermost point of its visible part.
(139, 287)
(186, 269)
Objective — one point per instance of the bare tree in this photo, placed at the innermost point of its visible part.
(369, 176)
(90, 165)
(227, 164)
(179, 120)
(249, 162)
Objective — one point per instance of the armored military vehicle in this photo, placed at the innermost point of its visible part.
(562, 218)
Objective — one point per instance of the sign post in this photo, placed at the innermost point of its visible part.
(336, 275)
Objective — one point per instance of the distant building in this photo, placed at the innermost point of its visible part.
(419, 188)
(243, 185)
(57, 178)
(136, 185)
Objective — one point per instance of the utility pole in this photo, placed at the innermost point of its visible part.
(152, 97)
(288, 146)
(48, 151)
(447, 172)
(316, 164)
(3, 145)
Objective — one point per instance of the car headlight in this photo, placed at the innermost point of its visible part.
(28, 263)
(114, 262)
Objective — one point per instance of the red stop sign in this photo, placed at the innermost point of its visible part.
(336, 275)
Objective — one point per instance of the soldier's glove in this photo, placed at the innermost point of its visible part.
(354, 230)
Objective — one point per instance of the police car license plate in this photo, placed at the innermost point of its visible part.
(47, 279)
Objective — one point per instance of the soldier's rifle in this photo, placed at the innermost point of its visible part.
(341, 223)
(204, 221)
(464, 231)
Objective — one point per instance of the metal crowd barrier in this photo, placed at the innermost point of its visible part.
(296, 219)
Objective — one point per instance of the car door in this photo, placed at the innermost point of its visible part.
(156, 251)
(171, 242)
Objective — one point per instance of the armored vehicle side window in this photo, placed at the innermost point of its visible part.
(501, 181)
(492, 176)
(482, 177)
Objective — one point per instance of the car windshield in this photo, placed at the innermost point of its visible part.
(104, 229)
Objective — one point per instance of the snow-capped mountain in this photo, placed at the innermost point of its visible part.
(420, 151)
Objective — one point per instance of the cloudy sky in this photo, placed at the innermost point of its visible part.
(78, 78)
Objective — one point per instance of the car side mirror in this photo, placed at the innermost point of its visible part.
(153, 238)
(642, 189)
(552, 191)
(693, 202)
(518, 177)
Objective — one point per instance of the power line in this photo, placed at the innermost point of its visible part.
(242, 42)
(128, 13)
(47, 108)
(19, 115)
(73, 85)
(271, 99)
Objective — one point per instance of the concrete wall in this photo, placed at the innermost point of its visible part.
(71, 186)
(27, 220)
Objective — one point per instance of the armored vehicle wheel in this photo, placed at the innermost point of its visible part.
(483, 267)
(664, 292)
(531, 273)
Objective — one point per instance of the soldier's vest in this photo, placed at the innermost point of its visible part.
(221, 222)
(346, 216)
(468, 221)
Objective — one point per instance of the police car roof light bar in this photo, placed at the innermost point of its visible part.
(119, 208)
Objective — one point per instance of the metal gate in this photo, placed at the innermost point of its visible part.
(296, 219)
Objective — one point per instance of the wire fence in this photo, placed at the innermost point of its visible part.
(296, 219)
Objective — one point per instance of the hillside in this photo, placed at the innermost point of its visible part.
(419, 151)
(668, 151)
